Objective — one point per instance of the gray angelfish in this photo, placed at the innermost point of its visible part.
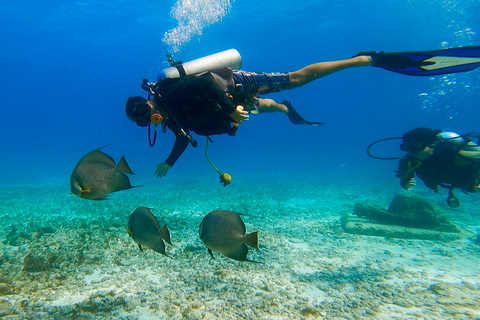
(145, 230)
(224, 232)
(97, 175)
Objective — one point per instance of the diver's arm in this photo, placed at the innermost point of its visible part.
(407, 177)
(408, 184)
(239, 115)
(181, 143)
(470, 152)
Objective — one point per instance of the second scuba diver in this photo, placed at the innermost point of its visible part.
(443, 159)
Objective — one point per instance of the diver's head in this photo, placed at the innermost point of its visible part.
(142, 111)
(418, 139)
(137, 110)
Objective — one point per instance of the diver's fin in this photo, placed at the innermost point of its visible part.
(428, 63)
(296, 118)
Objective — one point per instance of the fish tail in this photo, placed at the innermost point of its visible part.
(159, 247)
(251, 240)
(123, 166)
(165, 234)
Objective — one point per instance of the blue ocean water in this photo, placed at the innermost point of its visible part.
(68, 68)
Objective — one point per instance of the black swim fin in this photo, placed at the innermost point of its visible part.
(427, 63)
(296, 118)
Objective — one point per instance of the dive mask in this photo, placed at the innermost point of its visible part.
(142, 115)
(413, 146)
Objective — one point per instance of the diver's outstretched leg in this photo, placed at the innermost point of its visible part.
(317, 70)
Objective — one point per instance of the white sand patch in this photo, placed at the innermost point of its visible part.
(69, 299)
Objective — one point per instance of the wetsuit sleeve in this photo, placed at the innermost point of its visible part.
(181, 143)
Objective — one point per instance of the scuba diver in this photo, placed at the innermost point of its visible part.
(215, 102)
(214, 98)
(444, 159)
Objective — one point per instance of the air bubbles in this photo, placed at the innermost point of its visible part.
(192, 17)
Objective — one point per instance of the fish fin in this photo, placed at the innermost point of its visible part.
(123, 166)
(159, 247)
(165, 234)
(252, 240)
(104, 146)
(97, 156)
(85, 190)
(239, 254)
(211, 253)
(122, 184)
(129, 232)
(140, 247)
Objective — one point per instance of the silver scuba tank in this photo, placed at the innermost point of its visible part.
(450, 139)
(228, 58)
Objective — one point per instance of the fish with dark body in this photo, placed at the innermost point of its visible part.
(97, 175)
(145, 230)
(224, 232)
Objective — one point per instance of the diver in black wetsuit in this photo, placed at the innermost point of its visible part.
(216, 102)
(439, 158)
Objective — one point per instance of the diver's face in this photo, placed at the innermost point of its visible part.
(152, 105)
(423, 154)
(144, 113)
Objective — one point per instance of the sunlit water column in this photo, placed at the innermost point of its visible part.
(192, 17)
(444, 99)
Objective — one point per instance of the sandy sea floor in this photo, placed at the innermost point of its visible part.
(69, 258)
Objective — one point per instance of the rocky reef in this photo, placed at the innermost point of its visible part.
(409, 210)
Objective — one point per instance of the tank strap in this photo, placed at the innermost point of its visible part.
(181, 70)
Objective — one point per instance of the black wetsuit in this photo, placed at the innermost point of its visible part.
(197, 104)
(444, 168)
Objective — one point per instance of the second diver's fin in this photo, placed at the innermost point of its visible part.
(296, 118)
(428, 63)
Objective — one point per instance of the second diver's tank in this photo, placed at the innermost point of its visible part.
(450, 138)
(229, 58)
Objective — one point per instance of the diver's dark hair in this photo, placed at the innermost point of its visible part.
(132, 105)
(419, 138)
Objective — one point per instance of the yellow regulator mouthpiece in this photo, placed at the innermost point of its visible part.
(156, 118)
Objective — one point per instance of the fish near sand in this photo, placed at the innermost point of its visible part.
(224, 232)
(97, 175)
(145, 230)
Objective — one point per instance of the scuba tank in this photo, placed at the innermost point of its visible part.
(450, 138)
(228, 58)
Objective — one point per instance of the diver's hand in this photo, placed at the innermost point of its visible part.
(239, 115)
(409, 184)
(162, 169)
